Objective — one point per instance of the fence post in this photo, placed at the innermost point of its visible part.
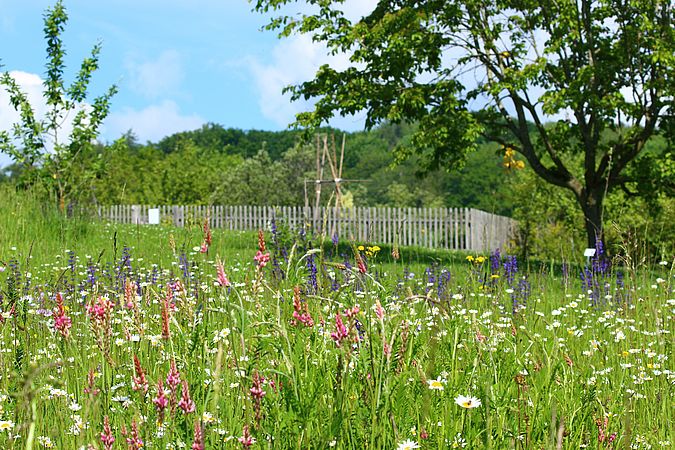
(135, 214)
(178, 216)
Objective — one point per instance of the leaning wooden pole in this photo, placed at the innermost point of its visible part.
(320, 161)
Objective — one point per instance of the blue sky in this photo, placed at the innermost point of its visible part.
(178, 63)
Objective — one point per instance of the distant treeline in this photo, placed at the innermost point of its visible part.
(217, 165)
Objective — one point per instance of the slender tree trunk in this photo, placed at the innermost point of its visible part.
(61, 194)
(591, 205)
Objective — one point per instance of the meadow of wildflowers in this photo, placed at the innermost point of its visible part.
(285, 343)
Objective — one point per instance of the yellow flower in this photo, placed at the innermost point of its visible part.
(510, 161)
(360, 248)
(494, 276)
(371, 250)
(480, 259)
(469, 258)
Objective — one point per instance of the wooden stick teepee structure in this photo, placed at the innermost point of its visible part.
(328, 153)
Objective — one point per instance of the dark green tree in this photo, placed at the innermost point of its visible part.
(36, 145)
(234, 141)
(588, 66)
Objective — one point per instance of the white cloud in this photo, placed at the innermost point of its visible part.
(151, 123)
(356, 9)
(157, 77)
(294, 60)
(32, 85)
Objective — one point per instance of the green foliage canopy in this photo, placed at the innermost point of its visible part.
(589, 66)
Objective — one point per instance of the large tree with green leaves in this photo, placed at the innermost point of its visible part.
(37, 145)
(575, 87)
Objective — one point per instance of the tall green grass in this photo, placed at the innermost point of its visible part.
(31, 227)
(548, 372)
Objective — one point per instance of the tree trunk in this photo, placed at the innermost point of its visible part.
(591, 205)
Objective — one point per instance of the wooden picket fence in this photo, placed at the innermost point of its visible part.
(450, 228)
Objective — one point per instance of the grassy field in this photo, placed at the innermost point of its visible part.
(116, 337)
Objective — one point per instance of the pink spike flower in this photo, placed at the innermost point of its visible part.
(139, 382)
(220, 270)
(134, 441)
(198, 443)
(107, 437)
(160, 401)
(246, 439)
(261, 259)
(186, 403)
(173, 377)
(340, 332)
(62, 322)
